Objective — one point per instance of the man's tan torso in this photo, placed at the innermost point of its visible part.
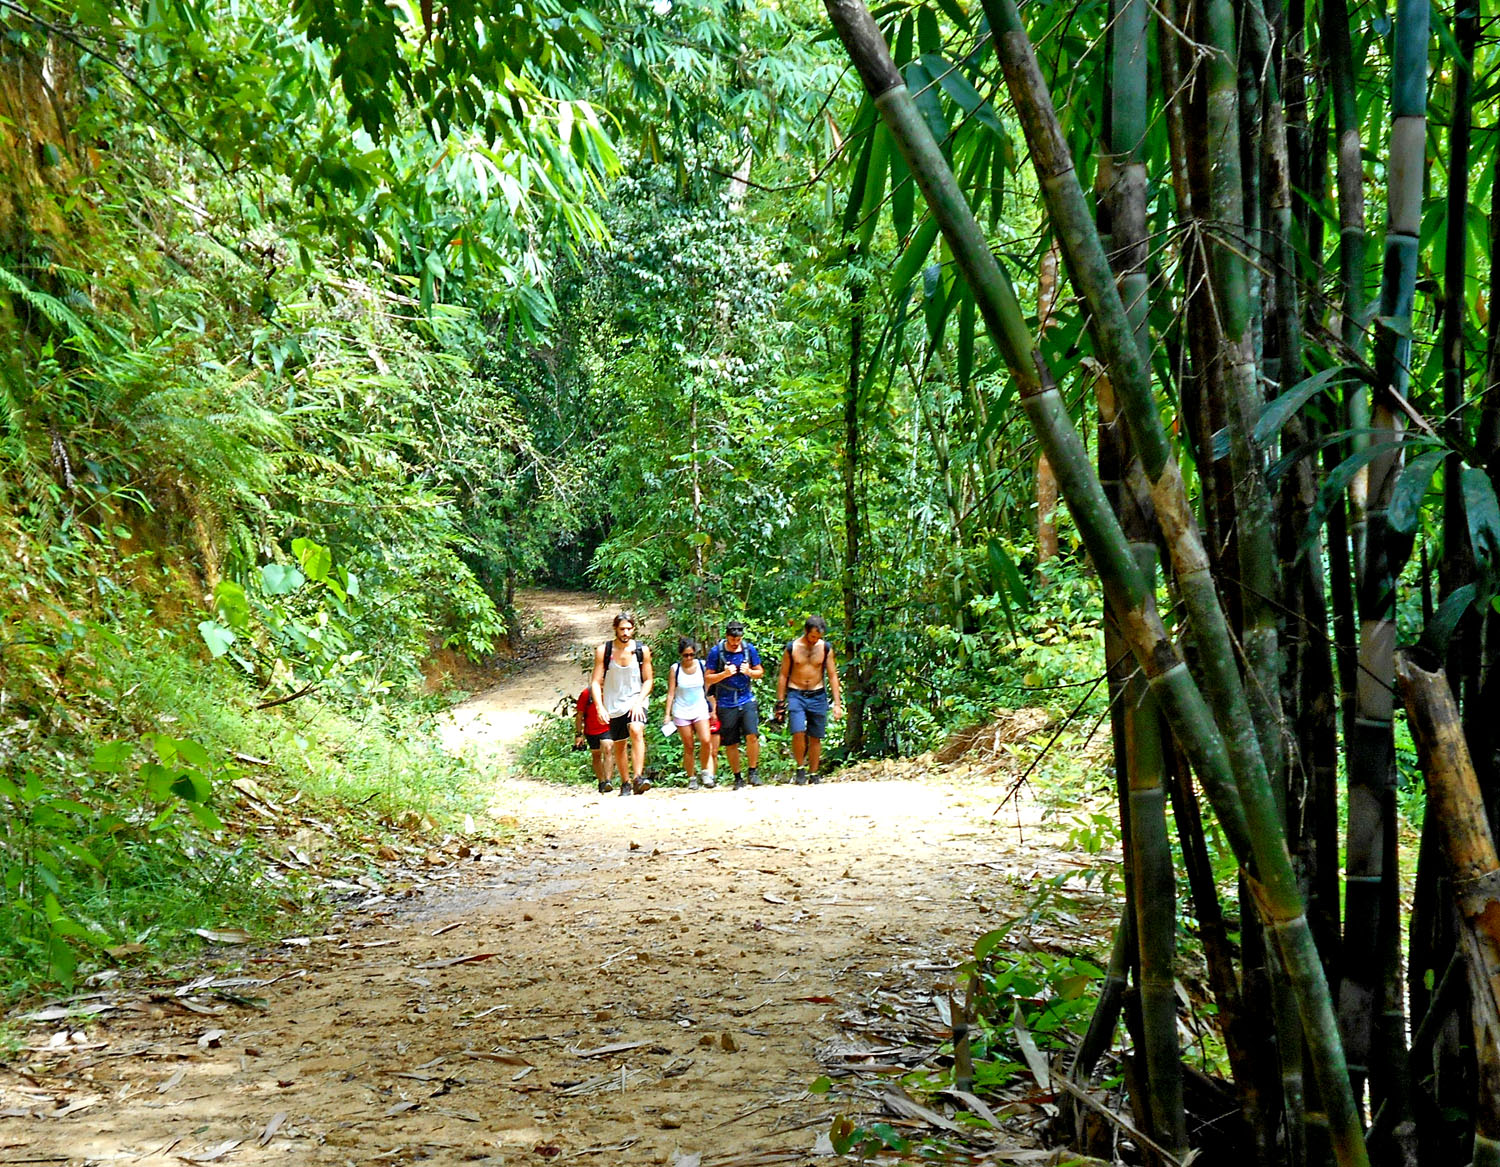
(807, 664)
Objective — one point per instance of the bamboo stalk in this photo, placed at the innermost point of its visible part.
(1223, 750)
(1155, 913)
(1456, 802)
(1371, 936)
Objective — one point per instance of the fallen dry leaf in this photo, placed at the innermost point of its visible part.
(399, 1108)
(174, 1081)
(618, 1047)
(452, 960)
(215, 1152)
(223, 935)
(272, 1127)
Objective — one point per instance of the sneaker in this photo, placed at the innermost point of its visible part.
(754, 776)
(708, 781)
(625, 791)
(814, 779)
(642, 785)
(739, 783)
(605, 787)
(801, 777)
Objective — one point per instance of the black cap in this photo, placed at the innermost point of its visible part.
(734, 628)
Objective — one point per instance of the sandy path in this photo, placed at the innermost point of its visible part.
(492, 722)
(646, 979)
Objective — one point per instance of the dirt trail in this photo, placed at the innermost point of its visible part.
(633, 981)
(491, 723)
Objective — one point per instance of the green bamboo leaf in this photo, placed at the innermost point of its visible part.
(929, 36)
(1280, 410)
(1010, 575)
(957, 86)
(902, 50)
(924, 96)
(864, 123)
(1405, 507)
(903, 196)
(880, 159)
(1484, 516)
(998, 167)
(934, 304)
(1334, 485)
(955, 13)
(966, 313)
(1439, 630)
(915, 255)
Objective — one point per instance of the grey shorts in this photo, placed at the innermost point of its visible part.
(737, 723)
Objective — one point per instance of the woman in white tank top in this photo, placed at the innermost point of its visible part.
(687, 710)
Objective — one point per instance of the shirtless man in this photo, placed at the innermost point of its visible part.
(621, 687)
(808, 675)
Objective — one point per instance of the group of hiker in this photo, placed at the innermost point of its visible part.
(710, 702)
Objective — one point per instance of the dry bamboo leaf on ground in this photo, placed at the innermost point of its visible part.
(618, 1047)
(611, 1081)
(452, 960)
(899, 1104)
(224, 935)
(623, 1145)
(500, 1057)
(213, 1153)
(400, 1108)
(272, 1127)
(173, 1082)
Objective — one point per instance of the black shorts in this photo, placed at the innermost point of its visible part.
(596, 740)
(619, 727)
(737, 723)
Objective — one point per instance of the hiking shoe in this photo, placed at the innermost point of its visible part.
(606, 787)
(625, 790)
(814, 779)
(692, 782)
(754, 776)
(739, 783)
(642, 785)
(800, 778)
(707, 781)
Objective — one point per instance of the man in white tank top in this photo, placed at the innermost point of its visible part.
(621, 687)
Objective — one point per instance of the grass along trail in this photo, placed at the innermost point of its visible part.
(623, 981)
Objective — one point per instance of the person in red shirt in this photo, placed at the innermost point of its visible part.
(589, 726)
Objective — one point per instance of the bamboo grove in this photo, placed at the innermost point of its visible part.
(1276, 223)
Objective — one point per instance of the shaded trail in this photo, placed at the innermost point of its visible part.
(630, 981)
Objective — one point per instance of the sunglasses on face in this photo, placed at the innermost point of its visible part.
(688, 655)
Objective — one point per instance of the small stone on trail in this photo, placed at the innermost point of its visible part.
(634, 846)
(670, 1121)
(525, 915)
(727, 1043)
(706, 1039)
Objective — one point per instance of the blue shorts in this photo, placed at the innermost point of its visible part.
(807, 711)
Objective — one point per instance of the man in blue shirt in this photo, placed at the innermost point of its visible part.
(733, 664)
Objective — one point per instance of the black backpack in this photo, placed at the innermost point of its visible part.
(609, 647)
